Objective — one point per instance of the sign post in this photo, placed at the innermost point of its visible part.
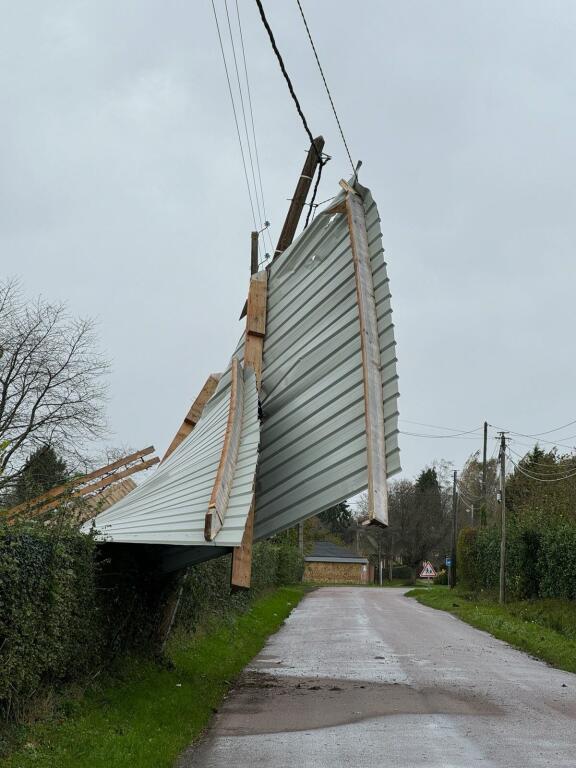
(427, 571)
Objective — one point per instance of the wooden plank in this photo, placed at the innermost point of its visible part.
(371, 364)
(87, 489)
(59, 490)
(193, 415)
(253, 348)
(256, 315)
(242, 555)
(225, 474)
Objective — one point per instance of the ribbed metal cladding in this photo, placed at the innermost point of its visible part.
(170, 506)
(313, 443)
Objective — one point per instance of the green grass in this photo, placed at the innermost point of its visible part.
(147, 718)
(544, 628)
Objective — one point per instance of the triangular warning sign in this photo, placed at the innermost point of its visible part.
(427, 571)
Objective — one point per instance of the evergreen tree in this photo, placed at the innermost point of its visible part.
(43, 470)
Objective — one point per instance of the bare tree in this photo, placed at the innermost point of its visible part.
(52, 381)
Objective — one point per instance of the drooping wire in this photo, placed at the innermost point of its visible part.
(540, 479)
(256, 153)
(326, 86)
(287, 78)
(314, 193)
(235, 115)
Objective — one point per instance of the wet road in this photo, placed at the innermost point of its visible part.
(364, 677)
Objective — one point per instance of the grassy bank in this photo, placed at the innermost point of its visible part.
(544, 628)
(149, 716)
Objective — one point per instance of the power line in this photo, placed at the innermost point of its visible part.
(287, 78)
(249, 92)
(438, 426)
(235, 115)
(541, 479)
(260, 219)
(326, 86)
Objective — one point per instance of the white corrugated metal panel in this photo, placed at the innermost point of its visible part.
(313, 446)
(170, 506)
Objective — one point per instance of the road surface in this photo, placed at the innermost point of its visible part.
(368, 677)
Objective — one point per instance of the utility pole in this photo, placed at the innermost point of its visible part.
(300, 195)
(502, 593)
(254, 253)
(452, 573)
(484, 476)
(301, 538)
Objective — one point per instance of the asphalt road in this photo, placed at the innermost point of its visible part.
(368, 677)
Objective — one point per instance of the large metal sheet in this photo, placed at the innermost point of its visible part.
(170, 506)
(313, 446)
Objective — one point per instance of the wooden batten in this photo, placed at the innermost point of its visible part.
(374, 404)
(227, 466)
(40, 502)
(253, 349)
(193, 415)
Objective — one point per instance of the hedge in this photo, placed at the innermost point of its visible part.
(540, 556)
(66, 609)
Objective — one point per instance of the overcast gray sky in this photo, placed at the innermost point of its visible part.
(121, 190)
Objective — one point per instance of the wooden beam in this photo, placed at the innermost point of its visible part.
(193, 415)
(300, 195)
(59, 490)
(371, 364)
(87, 489)
(253, 349)
(254, 253)
(225, 474)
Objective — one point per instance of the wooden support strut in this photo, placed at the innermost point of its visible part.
(253, 348)
(193, 415)
(371, 364)
(225, 474)
(66, 488)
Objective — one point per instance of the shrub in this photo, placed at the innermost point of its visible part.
(467, 570)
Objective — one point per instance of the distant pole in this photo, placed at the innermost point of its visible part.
(299, 199)
(391, 559)
(502, 594)
(254, 253)
(484, 476)
(472, 515)
(452, 572)
(301, 537)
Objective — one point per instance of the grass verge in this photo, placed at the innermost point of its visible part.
(149, 716)
(544, 628)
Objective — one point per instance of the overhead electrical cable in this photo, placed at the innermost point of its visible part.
(541, 479)
(326, 86)
(438, 426)
(296, 102)
(256, 152)
(235, 115)
(254, 184)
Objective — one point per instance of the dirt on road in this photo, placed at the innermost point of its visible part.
(362, 677)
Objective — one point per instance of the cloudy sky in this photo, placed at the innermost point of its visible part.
(122, 191)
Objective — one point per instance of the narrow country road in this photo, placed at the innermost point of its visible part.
(368, 677)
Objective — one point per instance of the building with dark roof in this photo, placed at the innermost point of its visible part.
(331, 564)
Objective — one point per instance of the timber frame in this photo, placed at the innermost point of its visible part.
(371, 365)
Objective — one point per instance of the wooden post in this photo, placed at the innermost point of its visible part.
(253, 347)
(300, 195)
(254, 253)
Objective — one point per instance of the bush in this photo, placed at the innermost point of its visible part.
(403, 572)
(68, 605)
(540, 556)
(441, 577)
(49, 620)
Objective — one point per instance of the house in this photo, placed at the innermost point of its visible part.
(331, 564)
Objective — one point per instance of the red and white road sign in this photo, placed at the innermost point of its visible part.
(427, 571)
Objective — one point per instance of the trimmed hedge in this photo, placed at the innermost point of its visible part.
(540, 554)
(66, 608)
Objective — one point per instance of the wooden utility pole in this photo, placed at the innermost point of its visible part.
(301, 538)
(452, 572)
(300, 195)
(254, 253)
(484, 476)
(502, 592)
